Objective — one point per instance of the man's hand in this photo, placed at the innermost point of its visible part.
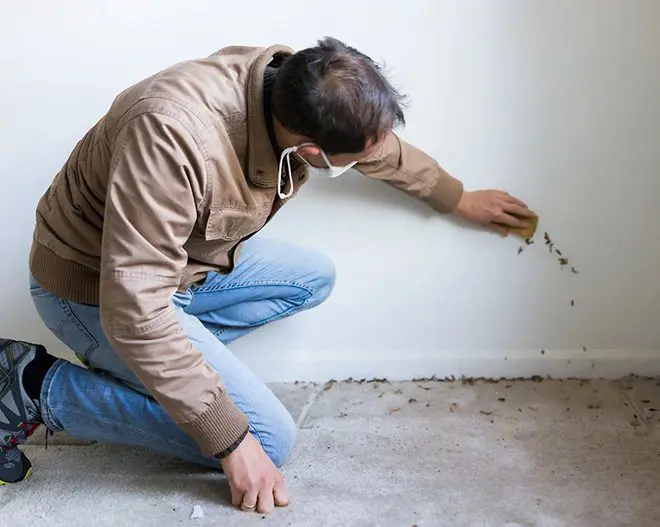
(495, 209)
(255, 482)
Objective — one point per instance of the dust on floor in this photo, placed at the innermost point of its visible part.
(424, 453)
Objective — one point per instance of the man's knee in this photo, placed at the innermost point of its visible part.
(324, 279)
(278, 442)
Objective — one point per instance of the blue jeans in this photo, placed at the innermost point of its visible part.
(108, 403)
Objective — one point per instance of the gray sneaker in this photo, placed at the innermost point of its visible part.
(19, 414)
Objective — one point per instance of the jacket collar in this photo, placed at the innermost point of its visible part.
(262, 162)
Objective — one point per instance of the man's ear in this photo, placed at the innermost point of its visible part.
(310, 150)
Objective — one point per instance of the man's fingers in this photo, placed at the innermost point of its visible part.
(236, 496)
(281, 494)
(252, 477)
(266, 504)
(499, 229)
(249, 501)
(523, 212)
(511, 221)
(513, 199)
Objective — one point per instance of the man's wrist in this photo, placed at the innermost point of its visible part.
(219, 427)
(222, 455)
(462, 205)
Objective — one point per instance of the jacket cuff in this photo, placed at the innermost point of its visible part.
(232, 447)
(445, 193)
(220, 429)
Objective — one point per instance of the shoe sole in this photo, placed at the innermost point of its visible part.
(27, 476)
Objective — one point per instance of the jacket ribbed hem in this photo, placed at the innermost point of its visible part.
(64, 278)
(218, 430)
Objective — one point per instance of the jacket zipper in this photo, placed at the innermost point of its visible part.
(279, 203)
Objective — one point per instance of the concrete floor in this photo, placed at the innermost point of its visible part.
(425, 453)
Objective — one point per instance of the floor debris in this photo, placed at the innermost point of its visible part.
(468, 447)
(197, 513)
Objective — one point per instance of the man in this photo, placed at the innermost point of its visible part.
(145, 265)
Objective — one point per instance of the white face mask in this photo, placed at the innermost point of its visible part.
(331, 171)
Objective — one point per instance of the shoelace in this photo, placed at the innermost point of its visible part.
(25, 430)
(48, 433)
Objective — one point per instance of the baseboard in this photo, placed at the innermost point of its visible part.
(315, 366)
(557, 364)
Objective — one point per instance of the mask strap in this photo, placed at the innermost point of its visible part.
(286, 154)
(336, 171)
(325, 158)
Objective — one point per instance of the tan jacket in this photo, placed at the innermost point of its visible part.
(165, 188)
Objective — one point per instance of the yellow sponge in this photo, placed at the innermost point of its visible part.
(528, 232)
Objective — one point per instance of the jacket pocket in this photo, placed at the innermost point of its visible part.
(233, 223)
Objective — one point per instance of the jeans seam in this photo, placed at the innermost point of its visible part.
(66, 307)
(252, 283)
(45, 404)
(279, 316)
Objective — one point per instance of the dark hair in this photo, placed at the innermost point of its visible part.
(336, 96)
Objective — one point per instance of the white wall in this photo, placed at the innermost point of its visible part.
(557, 101)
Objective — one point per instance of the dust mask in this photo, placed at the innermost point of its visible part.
(330, 171)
